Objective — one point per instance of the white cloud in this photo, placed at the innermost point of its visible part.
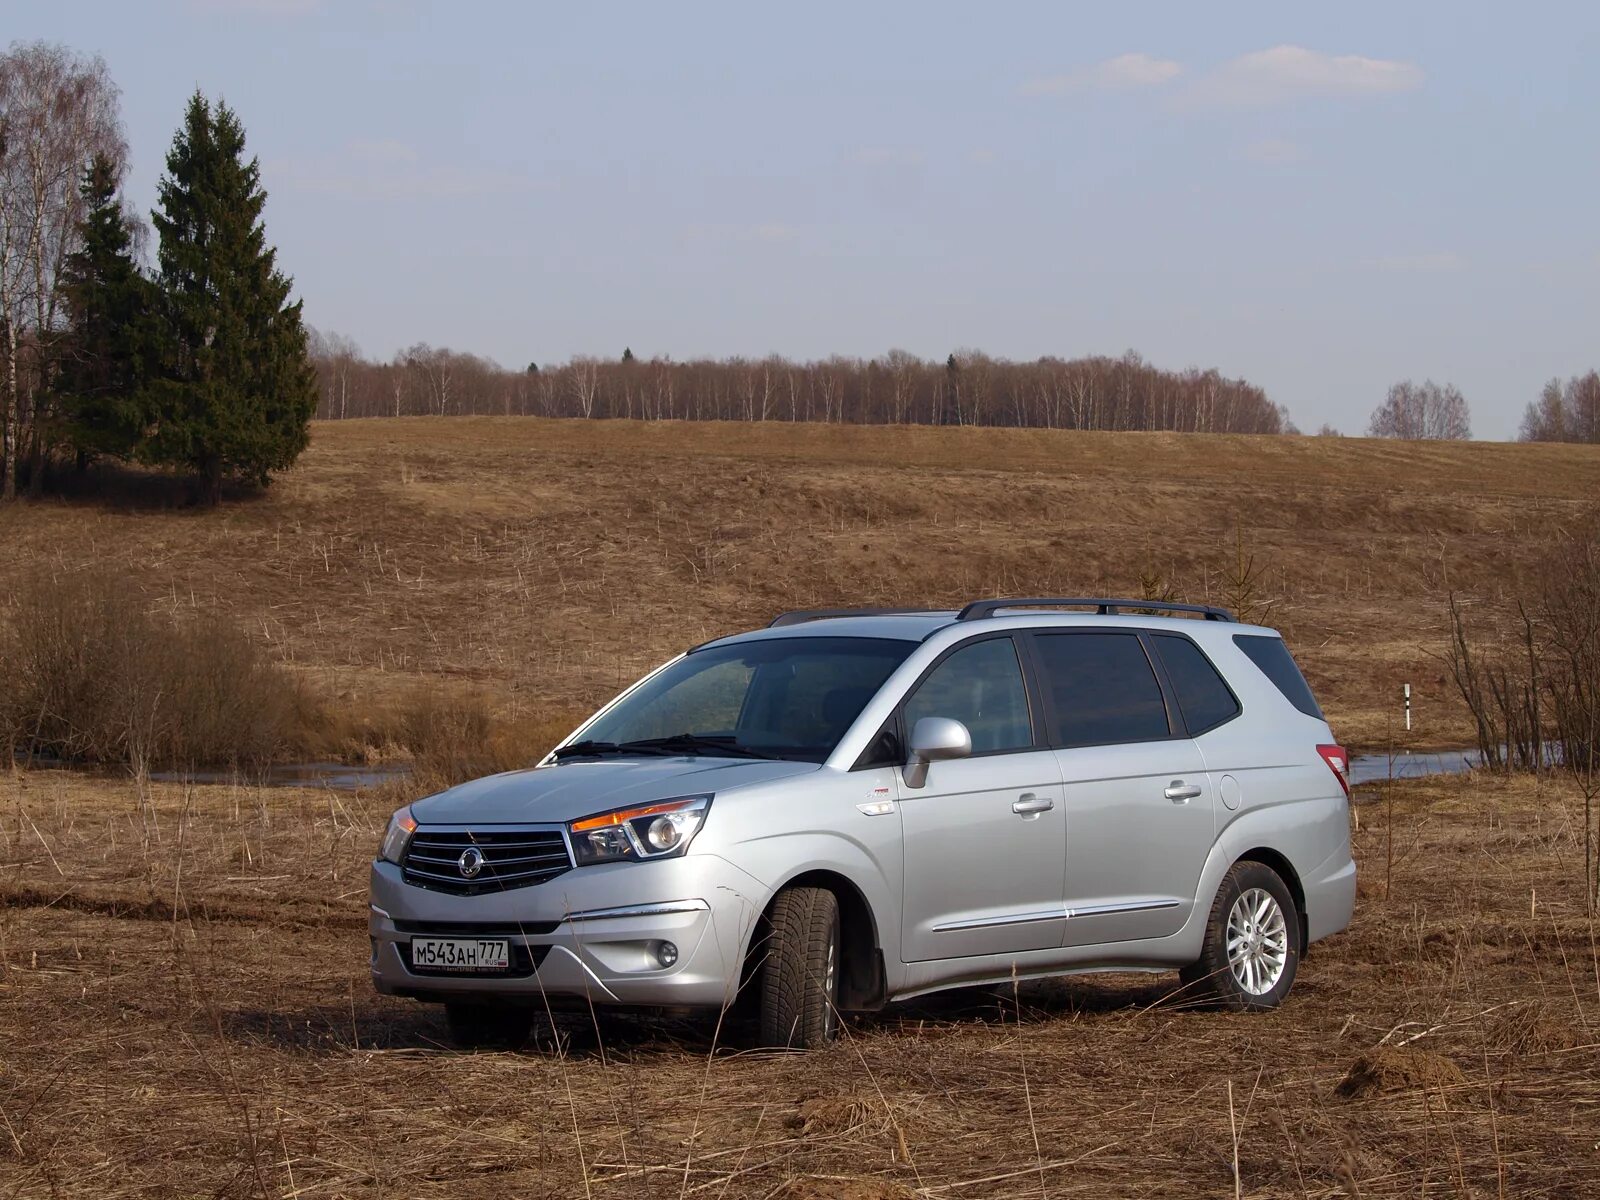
(1439, 260)
(1286, 73)
(388, 169)
(1126, 72)
(1276, 151)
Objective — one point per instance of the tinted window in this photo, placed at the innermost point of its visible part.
(792, 697)
(1102, 689)
(1272, 656)
(981, 686)
(1202, 696)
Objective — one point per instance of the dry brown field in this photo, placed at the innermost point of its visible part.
(184, 1004)
(544, 563)
(184, 1011)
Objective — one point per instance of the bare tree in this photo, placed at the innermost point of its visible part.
(1565, 413)
(433, 368)
(585, 384)
(58, 110)
(335, 356)
(1422, 411)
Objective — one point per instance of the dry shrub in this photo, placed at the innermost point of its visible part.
(1398, 1069)
(1534, 690)
(453, 738)
(93, 675)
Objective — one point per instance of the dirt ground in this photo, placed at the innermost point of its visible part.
(546, 563)
(185, 1011)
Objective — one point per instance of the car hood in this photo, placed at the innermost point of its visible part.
(579, 787)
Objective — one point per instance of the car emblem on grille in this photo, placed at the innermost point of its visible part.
(470, 862)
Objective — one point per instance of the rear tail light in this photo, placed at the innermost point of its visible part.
(1339, 763)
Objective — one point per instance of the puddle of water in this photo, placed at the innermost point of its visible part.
(1374, 768)
(339, 776)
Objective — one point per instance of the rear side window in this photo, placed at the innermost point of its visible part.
(1102, 689)
(1272, 656)
(1203, 697)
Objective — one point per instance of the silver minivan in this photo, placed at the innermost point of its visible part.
(852, 807)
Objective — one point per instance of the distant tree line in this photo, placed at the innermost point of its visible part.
(199, 364)
(1565, 412)
(968, 388)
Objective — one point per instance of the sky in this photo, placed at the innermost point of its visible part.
(1322, 199)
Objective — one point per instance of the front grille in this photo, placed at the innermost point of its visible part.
(511, 858)
(478, 928)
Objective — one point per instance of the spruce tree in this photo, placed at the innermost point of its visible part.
(111, 328)
(237, 389)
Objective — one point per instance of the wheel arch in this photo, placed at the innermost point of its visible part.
(863, 985)
(1280, 866)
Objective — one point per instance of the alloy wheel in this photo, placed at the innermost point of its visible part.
(1258, 941)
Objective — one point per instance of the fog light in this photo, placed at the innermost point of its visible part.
(666, 953)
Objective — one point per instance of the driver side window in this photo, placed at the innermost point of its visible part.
(981, 686)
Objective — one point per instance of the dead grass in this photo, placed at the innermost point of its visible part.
(185, 1011)
(93, 675)
(542, 564)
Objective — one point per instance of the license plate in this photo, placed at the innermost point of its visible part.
(460, 954)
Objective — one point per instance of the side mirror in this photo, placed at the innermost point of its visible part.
(932, 739)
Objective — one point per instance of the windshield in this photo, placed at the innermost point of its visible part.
(790, 698)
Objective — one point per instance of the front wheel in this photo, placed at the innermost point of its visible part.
(799, 975)
(1247, 961)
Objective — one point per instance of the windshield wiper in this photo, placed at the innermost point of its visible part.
(695, 743)
(592, 749)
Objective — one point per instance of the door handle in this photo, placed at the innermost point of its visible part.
(1180, 792)
(1029, 805)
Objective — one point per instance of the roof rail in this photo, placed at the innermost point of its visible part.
(979, 609)
(801, 615)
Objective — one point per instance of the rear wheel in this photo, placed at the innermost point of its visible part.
(488, 1026)
(1251, 947)
(799, 976)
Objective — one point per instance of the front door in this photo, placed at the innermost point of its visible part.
(984, 870)
(1137, 797)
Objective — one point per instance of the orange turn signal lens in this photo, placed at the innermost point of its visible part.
(628, 814)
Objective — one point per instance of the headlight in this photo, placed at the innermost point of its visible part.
(659, 830)
(401, 826)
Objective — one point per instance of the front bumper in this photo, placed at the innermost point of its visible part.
(593, 932)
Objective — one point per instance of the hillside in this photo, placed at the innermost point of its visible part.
(545, 563)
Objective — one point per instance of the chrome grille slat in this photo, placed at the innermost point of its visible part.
(512, 858)
(477, 841)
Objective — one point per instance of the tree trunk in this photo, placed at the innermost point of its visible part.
(208, 486)
(11, 427)
(36, 463)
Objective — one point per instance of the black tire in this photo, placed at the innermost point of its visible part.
(488, 1026)
(1214, 977)
(799, 975)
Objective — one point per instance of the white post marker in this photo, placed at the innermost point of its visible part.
(1408, 708)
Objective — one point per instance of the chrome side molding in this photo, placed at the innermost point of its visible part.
(1056, 914)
